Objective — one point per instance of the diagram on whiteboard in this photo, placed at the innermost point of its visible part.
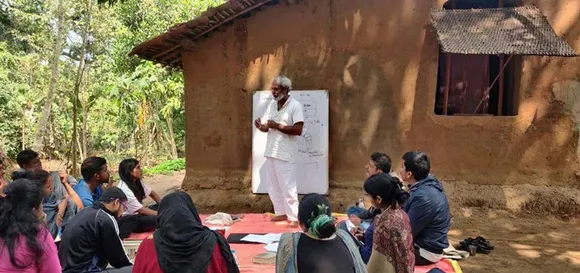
(312, 151)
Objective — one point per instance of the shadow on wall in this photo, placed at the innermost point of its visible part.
(337, 45)
(379, 64)
(536, 147)
(344, 47)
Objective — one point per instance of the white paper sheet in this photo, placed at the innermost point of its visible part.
(273, 247)
(274, 237)
(256, 239)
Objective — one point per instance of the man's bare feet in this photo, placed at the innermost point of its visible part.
(279, 218)
(293, 224)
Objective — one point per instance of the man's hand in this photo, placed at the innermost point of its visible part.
(359, 234)
(355, 220)
(61, 211)
(258, 123)
(272, 124)
(63, 177)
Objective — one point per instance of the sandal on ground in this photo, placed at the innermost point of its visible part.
(485, 243)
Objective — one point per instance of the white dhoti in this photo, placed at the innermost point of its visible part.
(282, 190)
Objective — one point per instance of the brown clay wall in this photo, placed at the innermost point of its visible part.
(378, 59)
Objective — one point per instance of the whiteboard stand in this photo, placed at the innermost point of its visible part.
(312, 153)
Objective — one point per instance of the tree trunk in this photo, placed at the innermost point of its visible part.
(85, 109)
(78, 82)
(169, 121)
(39, 140)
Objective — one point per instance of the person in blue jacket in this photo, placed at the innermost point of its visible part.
(427, 208)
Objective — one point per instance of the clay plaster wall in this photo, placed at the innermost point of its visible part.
(378, 59)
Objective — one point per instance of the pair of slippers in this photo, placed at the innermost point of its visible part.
(477, 245)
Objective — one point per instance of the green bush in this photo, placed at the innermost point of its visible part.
(167, 167)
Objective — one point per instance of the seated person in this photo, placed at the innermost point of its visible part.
(182, 244)
(63, 202)
(427, 208)
(320, 248)
(360, 219)
(359, 216)
(137, 218)
(90, 241)
(25, 244)
(95, 173)
(393, 242)
(45, 181)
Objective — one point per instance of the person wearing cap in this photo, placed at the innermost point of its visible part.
(90, 240)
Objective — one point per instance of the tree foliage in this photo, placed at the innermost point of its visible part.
(126, 106)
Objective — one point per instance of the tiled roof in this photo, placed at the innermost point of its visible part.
(522, 30)
(166, 49)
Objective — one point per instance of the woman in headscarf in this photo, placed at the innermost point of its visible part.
(392, 250)
(181, 244)
(321, 247)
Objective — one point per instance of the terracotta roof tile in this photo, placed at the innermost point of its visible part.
(522, 30)
(166, 49)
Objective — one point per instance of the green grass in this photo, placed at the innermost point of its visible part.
(167, 167)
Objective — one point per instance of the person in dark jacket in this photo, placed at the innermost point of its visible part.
(90, 240)
(427, 208)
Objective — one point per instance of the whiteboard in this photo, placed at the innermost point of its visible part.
(312, 155)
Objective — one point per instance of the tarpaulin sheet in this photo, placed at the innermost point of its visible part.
(260, 223)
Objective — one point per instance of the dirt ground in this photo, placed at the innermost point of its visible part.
(524, 242)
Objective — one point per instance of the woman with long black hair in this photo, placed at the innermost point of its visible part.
(53, 208)
(181, 244)
(392, 250)
(25, 244)
(137, 218)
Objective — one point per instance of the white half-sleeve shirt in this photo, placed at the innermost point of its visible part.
(133, 204)
(280, 145)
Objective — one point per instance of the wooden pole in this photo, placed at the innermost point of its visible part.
(447, 83)
(501, 87)
(493, 82)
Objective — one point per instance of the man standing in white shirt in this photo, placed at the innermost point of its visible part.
(284, 122)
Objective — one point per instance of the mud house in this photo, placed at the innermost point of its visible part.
(490, 94)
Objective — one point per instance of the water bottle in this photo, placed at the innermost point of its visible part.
(361, 203)
(235, 257)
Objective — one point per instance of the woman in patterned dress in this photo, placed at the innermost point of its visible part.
(392, 240)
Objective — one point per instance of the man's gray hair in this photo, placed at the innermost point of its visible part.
(283, 82)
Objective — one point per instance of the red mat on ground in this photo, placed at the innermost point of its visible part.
(444, 265)
(260, 223)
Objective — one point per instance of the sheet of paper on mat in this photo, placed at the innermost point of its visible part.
(274, 237)
(256, 239)
(264, 239)
(273, 247)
